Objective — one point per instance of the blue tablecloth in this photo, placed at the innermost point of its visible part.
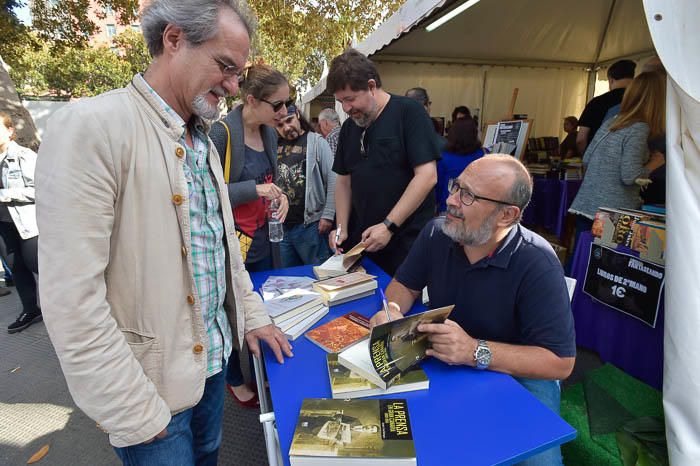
(619, 339)
(550, 201)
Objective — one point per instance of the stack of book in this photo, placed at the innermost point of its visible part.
(349, 432)
(348, 287)
(639, 230)
(295, 311)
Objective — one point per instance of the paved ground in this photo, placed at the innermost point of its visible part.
(37, 409)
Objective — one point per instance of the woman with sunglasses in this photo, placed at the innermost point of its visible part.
(248, 134)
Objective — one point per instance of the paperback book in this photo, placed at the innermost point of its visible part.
(349, 432)
(392, 348)
(291, 304)
(339, 333)
(295, 329)
(348, 384)
(349, 287)
(340, 264)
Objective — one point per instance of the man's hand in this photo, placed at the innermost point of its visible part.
(324, 226)
(376, 237)
(331, 240)
(163, 433)
(380, 317)
(274, 338)
(450, 343)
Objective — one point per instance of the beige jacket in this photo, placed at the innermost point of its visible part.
(115, 265)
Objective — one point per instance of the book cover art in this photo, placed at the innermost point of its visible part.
(396, 346)
(649, 239)
(353, 429)
(346, 383)
(341, 332)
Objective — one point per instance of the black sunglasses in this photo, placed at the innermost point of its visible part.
(277, 106)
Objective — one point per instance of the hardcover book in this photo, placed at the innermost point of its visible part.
(348, 384)
(340, 333)
(392, 348)
(349, 432)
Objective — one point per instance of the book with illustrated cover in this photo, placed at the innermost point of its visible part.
(347, 384)
(614, 226)
(649, 239)
(340, 264)
(349, 432)
(340, 333)
(345, 288)
(392, 348)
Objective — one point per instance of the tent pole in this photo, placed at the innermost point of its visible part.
(592, 76)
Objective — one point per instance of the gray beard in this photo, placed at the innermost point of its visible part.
(204, 109)
(367, 118)
(466, 237)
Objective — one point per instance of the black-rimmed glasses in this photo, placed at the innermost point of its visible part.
(229, 71)
(467, 197)
(277, 105)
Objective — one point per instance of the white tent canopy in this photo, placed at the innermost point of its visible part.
(545, 48)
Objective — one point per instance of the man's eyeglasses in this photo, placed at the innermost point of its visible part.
(467, 197)
(229, 71)
(277, 105)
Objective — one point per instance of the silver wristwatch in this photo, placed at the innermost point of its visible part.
(482, 354)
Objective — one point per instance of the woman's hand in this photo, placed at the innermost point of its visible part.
(268, 191)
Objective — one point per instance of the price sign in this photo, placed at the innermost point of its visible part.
(625, 282)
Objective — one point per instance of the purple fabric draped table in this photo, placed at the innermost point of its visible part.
(619, 339)
(550, 201)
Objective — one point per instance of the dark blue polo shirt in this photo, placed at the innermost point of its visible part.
(517, 295)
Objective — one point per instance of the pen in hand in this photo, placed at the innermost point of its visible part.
(385, 304)
(337, 234)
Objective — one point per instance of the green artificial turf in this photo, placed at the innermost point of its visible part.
(610, 398)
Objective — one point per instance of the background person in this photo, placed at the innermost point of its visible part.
(567, 148)
(253, 174)
(305, 161)
(463, 147)
(605, 106)
(618, 154)
(18, 229)
(329, 125)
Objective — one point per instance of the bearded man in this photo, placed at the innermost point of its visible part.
(512, 311)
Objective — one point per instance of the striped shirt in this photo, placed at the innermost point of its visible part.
(206, 237)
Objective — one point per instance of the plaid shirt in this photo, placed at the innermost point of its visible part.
(332, 139)
(207, 231)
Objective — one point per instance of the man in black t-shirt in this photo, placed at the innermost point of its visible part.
(304, 162)
(599, 109)
(385, 163)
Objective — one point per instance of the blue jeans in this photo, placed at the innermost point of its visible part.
(194, 435)
(549, 393)
(234, 373)
(303, 245)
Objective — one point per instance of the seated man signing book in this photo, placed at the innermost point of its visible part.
(512, 311)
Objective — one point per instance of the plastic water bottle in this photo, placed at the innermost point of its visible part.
(275, 227)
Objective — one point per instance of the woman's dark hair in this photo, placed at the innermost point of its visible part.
(463, 137)
(461, 109)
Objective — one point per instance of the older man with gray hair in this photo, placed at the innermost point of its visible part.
(143, 285)
(512, 311)
(329, 124)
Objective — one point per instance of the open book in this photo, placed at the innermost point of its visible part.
(340, 264)
(392, 348)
